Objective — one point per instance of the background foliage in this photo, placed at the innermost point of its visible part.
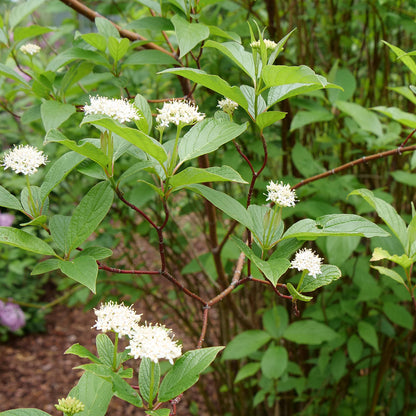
(352, 351)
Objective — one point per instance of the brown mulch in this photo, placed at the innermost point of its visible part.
(34, 370)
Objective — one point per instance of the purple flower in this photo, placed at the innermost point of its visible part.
(11, 316)
(6, 220)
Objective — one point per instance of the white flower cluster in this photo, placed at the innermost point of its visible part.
(118, 318)
(118, 109)
(178, 112)
(154, 342)
(306, 259)
(24, 159)
(281, 194)
(30, 49)
(269, 44)
(227, 105)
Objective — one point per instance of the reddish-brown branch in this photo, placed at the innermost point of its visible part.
(204, 327)
(178, 284)
(102, 266)
(92, 15)
(364, 159)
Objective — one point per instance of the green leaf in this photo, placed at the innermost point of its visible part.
(95, 39)
(86, 149)
(390, 273)
(245, 344)
(247, 371)
(274, 361)
(142, 104)
(27, 32)
(19, 12)
(186, 371)
(309, 332)
(213, 82)
(267, 226)
(276, 75)
(10, 73)
(207, 136)
(82, 352)
(381, 254)
(367, 120)
(24, 412)
(224, 202)
(25, 241)
(275, 321)
(7, 200)
(304, 161)
(406, 178)
(45, 266)
(268, 118)
(407, 60)
(98, 253)
(303, 118)
(94, 392)
(355, 348)
(83, 270)
(339, 249)
(273, 269)
(154, 23)
(236, 52)
(335, 224)
(188, 34)
(197, 175)
(282, 92)
(407, 119)
(252, 97)
(118, 47)
(59, 226)
(125, 392)
(398, 314)
(134, 136)
(158, 412)
(133, 170)
(149, 57)
(297, 295)
(145, 375)
(387, 213)
(329, 274)
(105, 349)
(89, 213)
(106, 28)
(368, 334)
(74, 54)
(55, 113)
(59, 171)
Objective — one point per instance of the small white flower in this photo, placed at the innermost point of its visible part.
(116, 317)
(30, 49)
(269, 44)
(24, 159)
(118, 109)
(281, 194)
(227, 105)
(154, 342)
(178, 112)
(306, 259)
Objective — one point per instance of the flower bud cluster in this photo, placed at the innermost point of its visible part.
(281, 194)
(30, 49)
